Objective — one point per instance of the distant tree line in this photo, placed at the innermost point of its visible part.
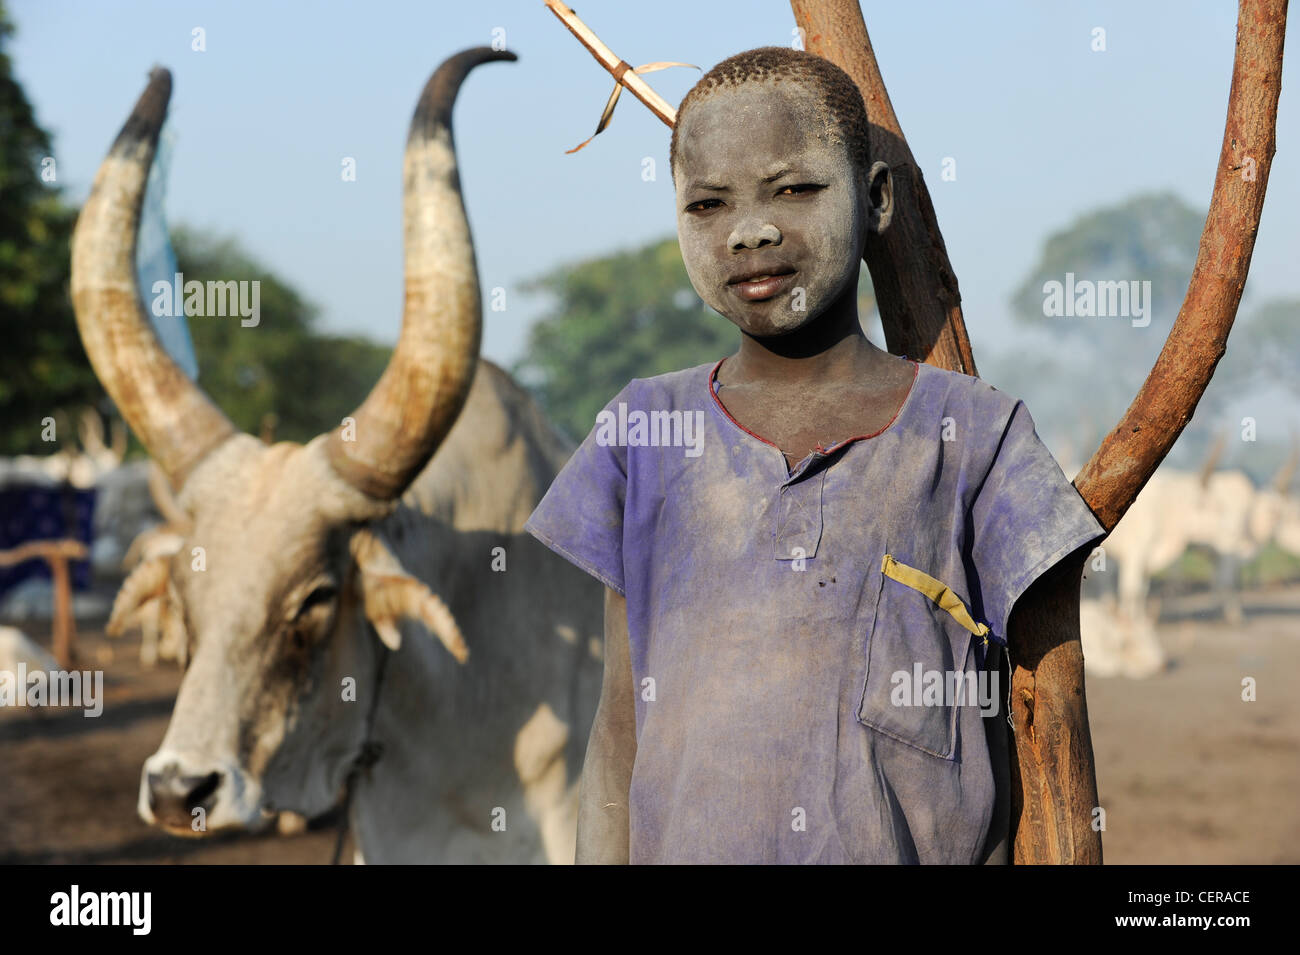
(630, 314)
(283, 367)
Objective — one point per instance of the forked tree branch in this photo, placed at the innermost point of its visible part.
(916, 288)
(1129, 455)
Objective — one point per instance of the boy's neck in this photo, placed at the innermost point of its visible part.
(830, 350)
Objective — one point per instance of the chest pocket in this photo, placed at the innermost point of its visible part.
(921, 661)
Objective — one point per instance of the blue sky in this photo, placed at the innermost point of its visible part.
(1042, 128)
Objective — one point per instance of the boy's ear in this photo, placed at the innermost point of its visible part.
(880, 196)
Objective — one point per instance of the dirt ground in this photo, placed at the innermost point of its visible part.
(68, 784)
(1188, 772)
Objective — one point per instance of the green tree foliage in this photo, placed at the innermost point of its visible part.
(633, 314)
(1095, 365)
(1150, 237)
(1268, 340)
(279, 366)
(629, 315)
(43, 369)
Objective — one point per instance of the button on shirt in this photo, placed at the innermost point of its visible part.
(800, 695)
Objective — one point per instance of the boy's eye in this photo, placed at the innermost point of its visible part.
(703, 205)
(801, 188)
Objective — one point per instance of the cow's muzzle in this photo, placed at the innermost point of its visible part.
(173, 798)
(192, 800)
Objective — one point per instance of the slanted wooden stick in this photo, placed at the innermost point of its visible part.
(56, 553)
(620, 68)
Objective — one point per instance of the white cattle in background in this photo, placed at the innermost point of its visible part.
(1116, 643)
(69, 463)
(1175, 510)
(17, 649)
(1275, 516)
(1218, 509)
(123, 506)
(162, 636)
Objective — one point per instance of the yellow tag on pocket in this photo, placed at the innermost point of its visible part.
(936, 590)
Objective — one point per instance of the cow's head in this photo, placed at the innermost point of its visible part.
(273, 574)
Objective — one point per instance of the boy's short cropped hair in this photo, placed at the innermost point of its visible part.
(842, 112)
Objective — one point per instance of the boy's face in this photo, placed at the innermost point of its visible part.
(785, 202)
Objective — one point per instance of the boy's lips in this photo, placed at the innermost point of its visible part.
(763, 285)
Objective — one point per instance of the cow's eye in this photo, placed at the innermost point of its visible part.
(321, 596)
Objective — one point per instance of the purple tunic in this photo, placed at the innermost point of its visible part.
(799, 696)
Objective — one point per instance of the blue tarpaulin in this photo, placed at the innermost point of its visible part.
(155, 261)
(32, 513)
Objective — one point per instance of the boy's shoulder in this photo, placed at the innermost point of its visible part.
(672, 388)
(983, 401)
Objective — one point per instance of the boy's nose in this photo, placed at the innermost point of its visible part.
(753, 234)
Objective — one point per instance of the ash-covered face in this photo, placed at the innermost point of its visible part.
(762, 190)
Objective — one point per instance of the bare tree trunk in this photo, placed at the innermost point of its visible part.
(1053, 772)
(1054, 782)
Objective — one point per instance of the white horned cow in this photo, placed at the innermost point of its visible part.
(1116, 643)
(1173, 511)
(306, 575)
(1274, 512)
(1222, 510)
(1218, 509)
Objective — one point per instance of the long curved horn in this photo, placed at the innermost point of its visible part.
(171, 415)
(401, 423)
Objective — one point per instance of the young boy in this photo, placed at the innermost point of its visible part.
(805, 599)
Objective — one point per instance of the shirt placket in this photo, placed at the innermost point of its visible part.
(799, 511)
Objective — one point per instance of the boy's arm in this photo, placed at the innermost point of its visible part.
(611, 750)
(1053, 778)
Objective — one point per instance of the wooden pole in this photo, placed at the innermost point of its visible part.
(65, 623)
(57, 554)
(1054, 778)
(1047, 687)
(916, 288)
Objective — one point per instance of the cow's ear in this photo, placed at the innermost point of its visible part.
(161, 541)
(389, 594)
(144, 585)
(144, 591)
